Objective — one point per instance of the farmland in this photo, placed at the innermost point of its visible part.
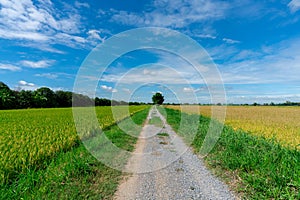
(279, 123)
(42, 156)
(29, 138)
(254, 167)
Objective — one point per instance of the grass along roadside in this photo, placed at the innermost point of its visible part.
(162, 134)
(74, 174)
(156, 121)
(255, 167)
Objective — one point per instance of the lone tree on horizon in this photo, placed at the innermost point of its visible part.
(158, 98)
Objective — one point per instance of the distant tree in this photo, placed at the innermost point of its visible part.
(44, 98)
(123, 103)
(102, 102)
(158, 98)
(63, 98)
(289, 103)
(82, 100)
(115, 103)
(25, 99)
(7, 97)
(134, 103)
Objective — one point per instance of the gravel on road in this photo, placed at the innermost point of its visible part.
(164, 167)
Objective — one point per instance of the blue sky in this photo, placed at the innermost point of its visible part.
(255, 45)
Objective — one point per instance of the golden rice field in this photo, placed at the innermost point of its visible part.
(281, 123)
(30, 137)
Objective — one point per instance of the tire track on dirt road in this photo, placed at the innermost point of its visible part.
(165, 168)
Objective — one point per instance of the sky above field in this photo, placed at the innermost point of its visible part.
(254, 44)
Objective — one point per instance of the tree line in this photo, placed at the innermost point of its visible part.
(46, 98)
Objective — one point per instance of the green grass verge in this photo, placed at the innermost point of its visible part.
(163, 134)
(74, 174)
(156, 121)
(262, 168)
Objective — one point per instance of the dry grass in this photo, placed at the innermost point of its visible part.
(281, 123)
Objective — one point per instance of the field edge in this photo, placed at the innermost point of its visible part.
(246, 162)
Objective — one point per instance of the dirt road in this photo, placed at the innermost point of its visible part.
(165, 168)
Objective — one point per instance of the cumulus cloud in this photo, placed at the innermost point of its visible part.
(294, 5)
(174, 14)
(94, 36)
(188, 89)
(263, 98)
(37, 64)
(108, 88)
(26, 17)
(230, 41)
(24, 83)
(150, 72)
(209, 36)
(81, 4)
(168, 69)
(282, 60)
(47, 75)
(54, 75)
(41, 23)
(24, 35)
(126, 90)
(9, 67)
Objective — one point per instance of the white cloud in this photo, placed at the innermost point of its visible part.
(71, 40)
(42, 47)
(24, 35)
(54, 75)
(222, 52)
(153, 92)
(43, 25)
(168, 69)
(37, 64)
(174, 14)
(24, 83)
(279, 64)
(9, 67)
(47, 75)
(188, 89)
(94, 36)
(154, 75)
(108, 88)
(205, 36)
(247, 54)
(150, 72)
(126, 90)
(81, 4)
(263, 98)
(25, 16)
(230, 41)
(294, 5)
